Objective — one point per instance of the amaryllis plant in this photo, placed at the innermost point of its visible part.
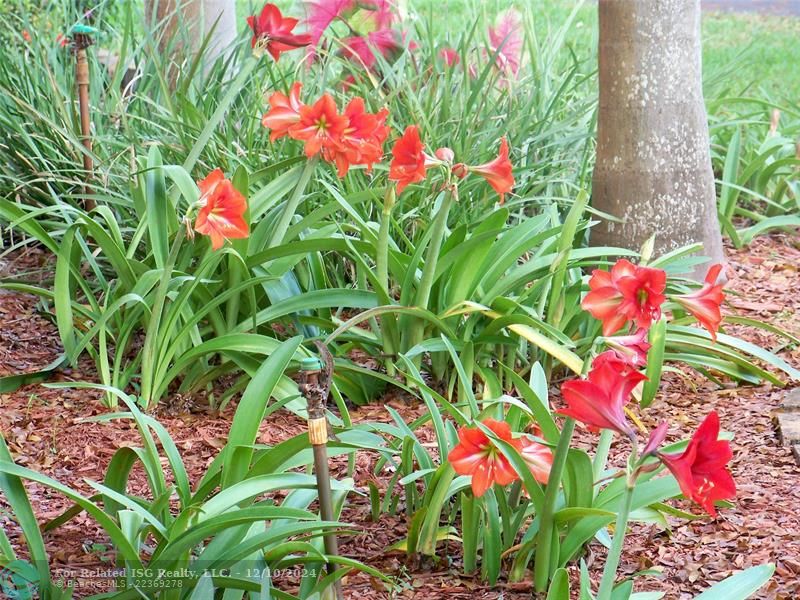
(493, 458)
(355, 136)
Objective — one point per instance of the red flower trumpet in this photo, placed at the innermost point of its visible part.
(409, 162)
(626, 293)
(361, 141)
(701, 470)
(476, 455)
(273, 32)
(599, 401)
(498, 172)
(705, 303)
(222, 208)
(319, 126)
(631, 348)
(284, 112)
(538, 457)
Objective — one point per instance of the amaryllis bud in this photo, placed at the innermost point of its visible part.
(774, 122)
(445, 154)
(656, 438)
(460, 170)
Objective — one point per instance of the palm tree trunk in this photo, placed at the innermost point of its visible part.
(180, 21)
(653, 166)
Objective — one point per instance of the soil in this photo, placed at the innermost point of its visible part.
(47, 430)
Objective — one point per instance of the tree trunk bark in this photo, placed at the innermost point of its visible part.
(653, 166)
(221, 16)
(198, 17)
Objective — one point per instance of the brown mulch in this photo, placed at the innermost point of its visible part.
(46, 431)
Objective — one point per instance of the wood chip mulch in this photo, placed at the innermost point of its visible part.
(46, 431)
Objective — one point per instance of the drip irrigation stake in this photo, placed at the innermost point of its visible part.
(316, 395)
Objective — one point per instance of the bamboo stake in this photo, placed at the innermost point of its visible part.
(81, 40)
(316, 394)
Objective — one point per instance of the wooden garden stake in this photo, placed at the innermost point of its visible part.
(316, 394)
(81, 40)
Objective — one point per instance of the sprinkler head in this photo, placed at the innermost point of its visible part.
(311, 364)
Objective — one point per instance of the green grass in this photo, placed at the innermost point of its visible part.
(767, 50)
(762, 52)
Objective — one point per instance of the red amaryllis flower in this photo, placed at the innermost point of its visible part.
(704, 303)
(476, 455)
(409, 162)
(538, 457)
(222, 208)
(506, 40)
(626, 293)
(449, 56)
(321, 13)
(273, 32)
(620, 362)
(361, 49)
(361, 141)
(631, 348)
(701, 470)
(319, 126)
(284, 112)
(498, 172)
(599, 401)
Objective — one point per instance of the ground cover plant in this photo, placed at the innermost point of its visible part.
(413, 207)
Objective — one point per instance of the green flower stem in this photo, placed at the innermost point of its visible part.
(282, 225)
(544, 559)
(383, 240)
(601, 456)
(151, 336)
(382, 268)
(429, 270)
(216, 118)
(612, 562)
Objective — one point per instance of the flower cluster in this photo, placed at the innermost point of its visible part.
(631, 295)
(369, 24)
(476, 455)
(410, 164)
(353, 137)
